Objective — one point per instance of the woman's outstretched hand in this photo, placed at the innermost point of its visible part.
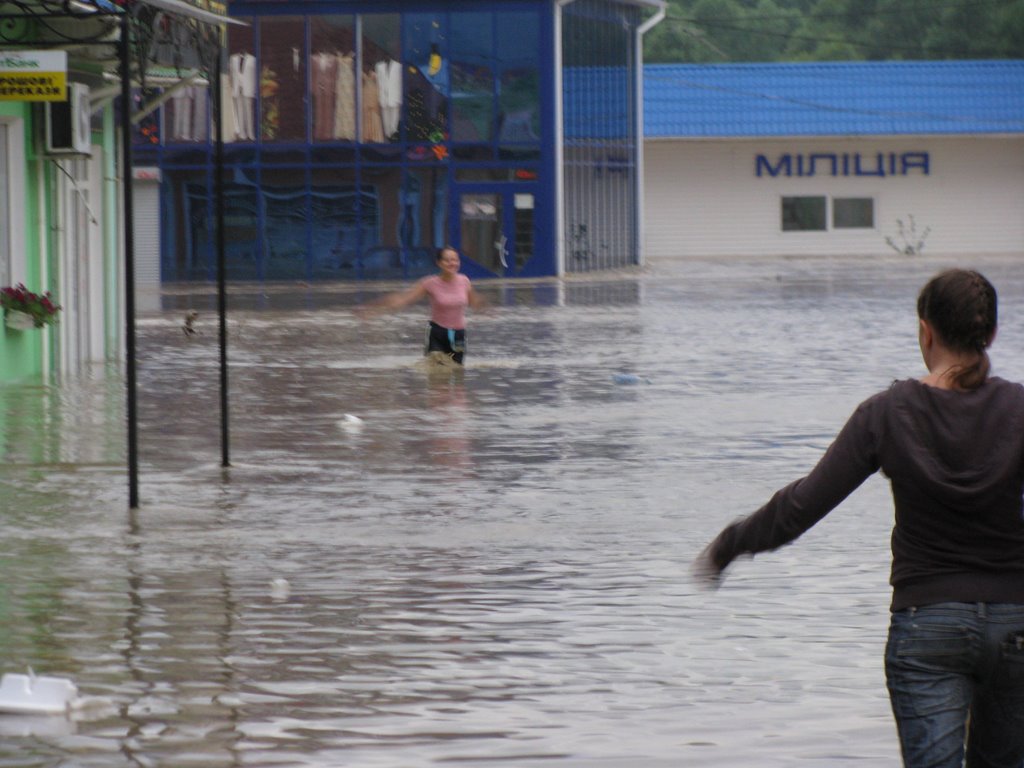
(708, 570)
(705, 572)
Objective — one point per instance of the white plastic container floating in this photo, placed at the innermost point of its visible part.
(280, 589)
(29, 694)
(351, 423)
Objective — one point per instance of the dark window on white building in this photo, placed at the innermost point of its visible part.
(853, 213)
(810, 213)
(804, 214)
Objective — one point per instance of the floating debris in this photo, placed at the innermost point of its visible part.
(29, 694)
(628, 379)
(280, 589)
(350, 423)
(189, 325)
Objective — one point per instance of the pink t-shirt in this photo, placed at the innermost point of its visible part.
(448, 300)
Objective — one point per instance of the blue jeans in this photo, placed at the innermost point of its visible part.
(955, 673)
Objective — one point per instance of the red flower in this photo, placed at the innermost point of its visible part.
(40, 306)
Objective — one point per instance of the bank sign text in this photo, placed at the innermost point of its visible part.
(33, 75)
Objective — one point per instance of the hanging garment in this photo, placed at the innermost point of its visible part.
(372, 129)
(229, 131)
(389, 80)
(242, 71)
(270, 119)
(345, 99)
(324, 77)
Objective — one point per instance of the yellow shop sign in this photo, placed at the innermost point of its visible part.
(33, 75)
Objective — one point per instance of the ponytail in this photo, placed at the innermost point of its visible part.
(961, 307)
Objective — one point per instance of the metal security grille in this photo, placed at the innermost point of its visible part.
(599, 94)
(147, 234)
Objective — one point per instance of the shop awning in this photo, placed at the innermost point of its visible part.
(191, 10)
(206, 11)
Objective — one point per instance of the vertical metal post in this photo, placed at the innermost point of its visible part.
(638, 209)
(221, 269)
(129, 261)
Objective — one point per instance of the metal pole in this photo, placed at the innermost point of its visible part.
(221, 288)
(129, 262)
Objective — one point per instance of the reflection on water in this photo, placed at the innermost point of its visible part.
(483, 567)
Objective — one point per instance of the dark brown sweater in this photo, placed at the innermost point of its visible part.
(956, 464)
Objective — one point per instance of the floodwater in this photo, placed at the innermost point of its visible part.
(410, 567)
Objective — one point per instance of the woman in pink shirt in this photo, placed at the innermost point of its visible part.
(450, 293)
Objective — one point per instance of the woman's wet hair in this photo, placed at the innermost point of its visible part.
(960, 306)
(439, 254)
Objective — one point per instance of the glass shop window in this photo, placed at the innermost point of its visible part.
(426, 79)
(473, 112)
(282, 79)
(381, 78)
(334, 222)
(332, 78)
(519, 91)
(240, 84)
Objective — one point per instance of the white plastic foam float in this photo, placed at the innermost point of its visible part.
(29, 694)
(351, 423)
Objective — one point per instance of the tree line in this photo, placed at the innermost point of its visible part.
(713, 31)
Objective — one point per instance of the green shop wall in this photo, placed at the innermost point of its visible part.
(21, 352)
(111, 234)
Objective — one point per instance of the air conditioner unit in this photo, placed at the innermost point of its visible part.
(67, 123)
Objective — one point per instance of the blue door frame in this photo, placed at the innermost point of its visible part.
(496, 228)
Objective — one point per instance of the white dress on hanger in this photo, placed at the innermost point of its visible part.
(389, 83)
(242, 71)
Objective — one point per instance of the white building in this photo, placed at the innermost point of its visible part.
(841, 159)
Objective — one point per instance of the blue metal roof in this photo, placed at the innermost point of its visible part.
(833, 98)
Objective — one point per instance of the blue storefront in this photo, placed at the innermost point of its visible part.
(360, 137)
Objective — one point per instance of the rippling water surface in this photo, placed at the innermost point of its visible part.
(408, 567)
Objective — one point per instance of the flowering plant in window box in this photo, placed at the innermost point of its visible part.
(24, 309)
